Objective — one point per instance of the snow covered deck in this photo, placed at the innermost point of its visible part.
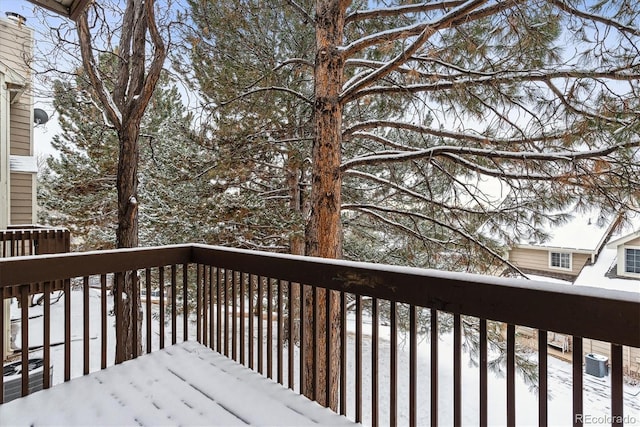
(184, 384)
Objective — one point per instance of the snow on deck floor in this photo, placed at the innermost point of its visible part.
(185, 384)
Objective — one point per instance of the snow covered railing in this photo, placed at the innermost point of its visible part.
(388, 366)
(30, 239)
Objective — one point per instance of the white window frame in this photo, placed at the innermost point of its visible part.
(624, 254)
(559, 267)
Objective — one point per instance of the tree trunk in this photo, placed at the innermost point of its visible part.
(324, 231)
(127, 237)
(296, 243)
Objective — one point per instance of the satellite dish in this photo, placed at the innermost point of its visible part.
(40, 116)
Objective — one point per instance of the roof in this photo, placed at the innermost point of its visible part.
(583, 232)
(68, 8)
(595, 275)
(623, 239)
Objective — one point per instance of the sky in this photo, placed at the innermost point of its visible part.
(42, 134)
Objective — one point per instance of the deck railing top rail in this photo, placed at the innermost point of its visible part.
(601, 314)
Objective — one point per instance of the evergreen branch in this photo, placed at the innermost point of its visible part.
(581, 111)
(382, 140)
(267, 89)
(427, 32)
(455, 230)
(459, 81)
(361, 15)
(597, 18)
(417, 195)
(414, 30)
(300, 10)
(466, 137)
(455, 153)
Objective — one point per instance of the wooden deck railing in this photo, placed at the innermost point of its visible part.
(237, 302)
(30, 239)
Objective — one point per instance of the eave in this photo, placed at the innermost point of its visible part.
(68, 8)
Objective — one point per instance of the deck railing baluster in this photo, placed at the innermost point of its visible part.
(174, 305)
(290, 337)
(211, 308)
(148, 314)
(542, 379)
(243, 315)
(393, 375)
(201, 305)
(328, 371)
(617, 397)
(67, 328)
(134, 312)
(85, 323)
(374, 362)
(225, 326)
(24, 326)
(343, 353)
(413, 366)
(46, 336)
(219, 310)
(577, 382)
(358, 345)
(511, 374)
(260, 341)
(161, 305)
(434, 367)
(103, 321)
(234, 317)
(483, 367)
(280, 349)
(303, 332)
(457, 370)
(185, 302)
(251, 326)
(269, 319)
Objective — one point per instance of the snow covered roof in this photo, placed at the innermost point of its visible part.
(583, 232)
(596, 275)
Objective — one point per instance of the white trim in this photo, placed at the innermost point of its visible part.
(555, 267)
(27, 164)
(624, 239)
(557, 249)
(622, 261)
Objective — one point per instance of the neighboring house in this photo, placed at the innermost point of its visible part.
(627, 249)
(570, 247)
(18, 166)
(613, 262)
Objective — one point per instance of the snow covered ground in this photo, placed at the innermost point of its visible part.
(597, 405)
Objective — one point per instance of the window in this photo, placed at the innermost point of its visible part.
(561, 260)
(632, 260)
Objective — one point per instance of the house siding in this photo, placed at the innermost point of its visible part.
(22, 211)
(536, 261)
(16, 47)
(20, 127)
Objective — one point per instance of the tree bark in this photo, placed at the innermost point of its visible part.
(127, 237)
(324, 230)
